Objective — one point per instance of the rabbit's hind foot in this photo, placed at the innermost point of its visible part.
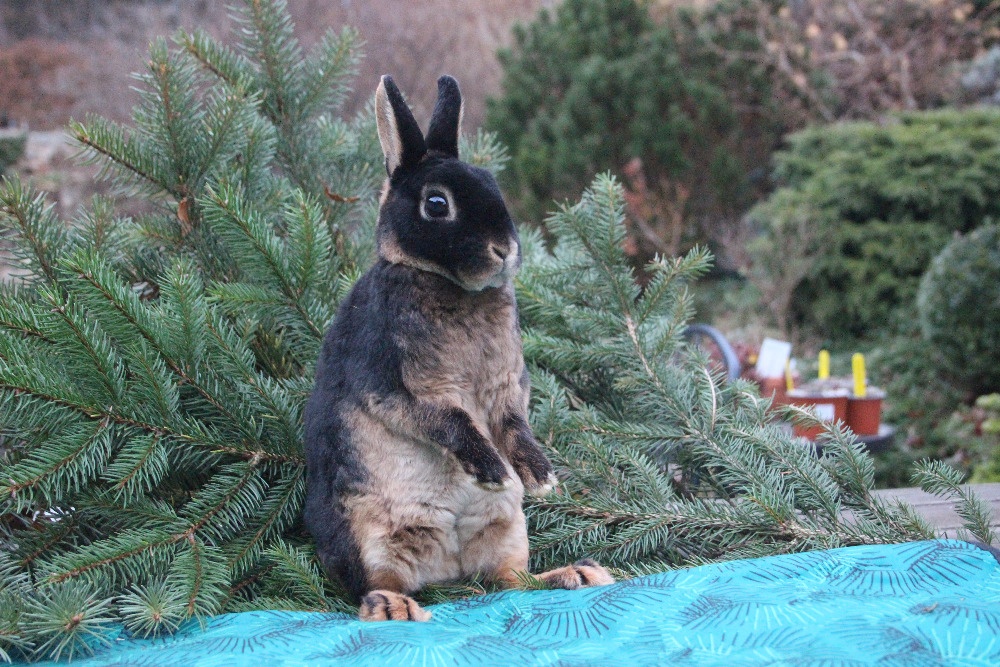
(581, 574)
(391, 606)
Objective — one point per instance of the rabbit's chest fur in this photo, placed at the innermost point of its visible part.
(463, 349)
(469, 353)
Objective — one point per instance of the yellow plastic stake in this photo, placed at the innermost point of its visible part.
(860, 382)
(824, 365)
(789, 384)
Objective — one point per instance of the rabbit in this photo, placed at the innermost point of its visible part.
(418, 448)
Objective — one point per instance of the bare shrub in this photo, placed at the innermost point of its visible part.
(69, 59)
(857, 59)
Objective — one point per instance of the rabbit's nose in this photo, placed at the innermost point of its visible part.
(502, 254)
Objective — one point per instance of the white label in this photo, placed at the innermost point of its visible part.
(773, 356)
(825, 411)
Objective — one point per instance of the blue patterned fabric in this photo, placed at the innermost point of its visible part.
(924, 603)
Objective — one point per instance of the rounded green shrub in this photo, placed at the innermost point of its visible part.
(959, 309)
(12, 143)
(860, 211)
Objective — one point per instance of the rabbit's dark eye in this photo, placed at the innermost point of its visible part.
(436, 206)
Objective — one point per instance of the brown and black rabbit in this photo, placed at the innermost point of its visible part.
(417, 443)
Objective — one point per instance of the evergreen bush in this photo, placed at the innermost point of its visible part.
(12, 143)
(921, 402)
(989, 431)
(959, 308)
(593, 84)
(153, 370)
(883, 200)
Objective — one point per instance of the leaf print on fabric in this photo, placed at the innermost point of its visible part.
(919, 604)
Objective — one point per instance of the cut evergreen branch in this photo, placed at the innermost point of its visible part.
(153, 370)
(152, 610)
(665, 464)
(940, 479)
(67, 620)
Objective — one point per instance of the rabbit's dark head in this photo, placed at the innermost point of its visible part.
(440, 214)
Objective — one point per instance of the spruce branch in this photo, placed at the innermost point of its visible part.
(202, 577)
(170, 117)
(222, 61)
(22, 315)
(138, 467)
(299, 572)
(126, 306)
(153, 371)
(15, 588)
(118, 559)
(72, 459)
(122, 157)
(152, 610)
(39, 235)
(940, 479)
(276, 513)
(768, 493)
(270, 43)
(44, 540)
(68, 619)
(233, 219)
(283, 414)
(328, 72)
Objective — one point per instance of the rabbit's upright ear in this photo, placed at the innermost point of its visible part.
(398, 132)
(446, 122)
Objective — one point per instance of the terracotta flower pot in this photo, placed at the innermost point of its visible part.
(828, 406)
(864, 415)
(774, 388)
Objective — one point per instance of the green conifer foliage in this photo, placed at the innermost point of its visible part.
(153, 370)
(663, 463)
(590, 85)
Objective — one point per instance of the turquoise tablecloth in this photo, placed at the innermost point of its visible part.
(925, 603)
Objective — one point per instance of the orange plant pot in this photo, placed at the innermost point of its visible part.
(828, 408)
(774, 388)
(864, 415)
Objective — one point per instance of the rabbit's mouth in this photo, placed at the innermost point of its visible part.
(504, 263)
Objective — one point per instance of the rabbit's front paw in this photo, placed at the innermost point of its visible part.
(480, 459)
(493, 477)
(534, 468)
(543, 487)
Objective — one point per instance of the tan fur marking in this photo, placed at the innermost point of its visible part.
(477, 366)
(389, 250)
(403, 541)
(388, 132)
(497, 548)
(507, 569)
(387, 580)
(414, 522)
(384, 194)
